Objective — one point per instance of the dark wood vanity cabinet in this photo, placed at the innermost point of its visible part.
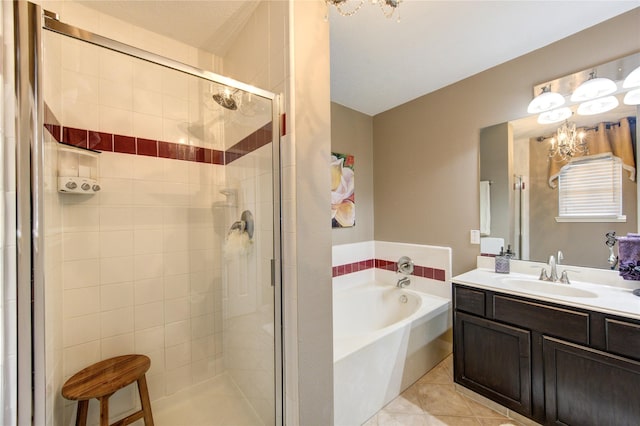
(552, 363)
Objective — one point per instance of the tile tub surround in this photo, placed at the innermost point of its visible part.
(108, 142)
(387, 265)
(369, 261)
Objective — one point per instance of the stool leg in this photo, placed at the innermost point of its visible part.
(81, 415)
(144, 400)
(104, 410)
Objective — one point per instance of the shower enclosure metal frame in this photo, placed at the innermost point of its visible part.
(29, 22)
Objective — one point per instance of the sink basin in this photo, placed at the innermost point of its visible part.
(542, 287)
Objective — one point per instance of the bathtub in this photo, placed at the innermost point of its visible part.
(385, 338)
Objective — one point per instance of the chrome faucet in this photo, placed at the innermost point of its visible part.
(405, 267)
(403, 282)
(553, 271)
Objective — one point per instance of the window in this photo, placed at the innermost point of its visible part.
(591, 191)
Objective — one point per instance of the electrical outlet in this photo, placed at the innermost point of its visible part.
(474, 236)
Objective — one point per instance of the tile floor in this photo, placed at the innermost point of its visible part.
(433, 401)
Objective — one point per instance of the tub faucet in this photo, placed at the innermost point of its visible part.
(403, 282)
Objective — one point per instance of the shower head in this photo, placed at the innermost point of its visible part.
(226, 100)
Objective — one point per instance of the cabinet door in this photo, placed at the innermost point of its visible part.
(493, 360)
(588, 387)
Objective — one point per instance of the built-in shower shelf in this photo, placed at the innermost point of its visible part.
(77, 170)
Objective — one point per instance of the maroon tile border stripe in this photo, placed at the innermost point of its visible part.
(101, 141)
(418, 271)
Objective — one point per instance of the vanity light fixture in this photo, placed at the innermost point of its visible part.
(594, 87)
(632, 97)
(567, 143)
(632, 80)
(388, 7)
(555, 115)
(597, 106)
(545, 101)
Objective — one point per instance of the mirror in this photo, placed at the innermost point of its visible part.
(518, 206)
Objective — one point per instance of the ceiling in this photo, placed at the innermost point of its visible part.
(379, 63)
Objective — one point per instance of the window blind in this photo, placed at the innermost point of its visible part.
(591, 188)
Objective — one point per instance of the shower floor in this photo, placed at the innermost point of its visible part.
(216, 402)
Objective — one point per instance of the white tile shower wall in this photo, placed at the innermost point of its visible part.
(249, 297)
(123, 102)
(150, 276)
(118, 252)
(259, 56)
(53, 258)
(102, 90)
(138, 259)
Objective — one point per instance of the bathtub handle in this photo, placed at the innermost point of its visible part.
(405, 265)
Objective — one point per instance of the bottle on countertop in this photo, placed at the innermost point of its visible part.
(502, 261)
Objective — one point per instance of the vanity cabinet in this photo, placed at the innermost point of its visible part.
(555, 364)
(503, 375)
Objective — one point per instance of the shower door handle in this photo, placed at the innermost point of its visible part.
(273, 272)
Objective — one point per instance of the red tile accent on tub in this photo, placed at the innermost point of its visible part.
(147, 147)
(124, 144)
(388, 265)
(100, 141)
(75, 137)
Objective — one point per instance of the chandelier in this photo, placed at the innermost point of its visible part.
(567, 143)
(347, 7)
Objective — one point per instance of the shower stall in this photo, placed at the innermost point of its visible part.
(149, 209)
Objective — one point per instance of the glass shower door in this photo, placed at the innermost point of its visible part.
(175, 255)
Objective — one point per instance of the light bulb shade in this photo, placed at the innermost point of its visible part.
(633, 79)
(594, 88)
(545, 101)
(555, 115)
(632, 97)
(598, 106)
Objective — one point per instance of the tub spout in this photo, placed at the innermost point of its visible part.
(403, 282)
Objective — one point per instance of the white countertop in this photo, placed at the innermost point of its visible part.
(602, 298)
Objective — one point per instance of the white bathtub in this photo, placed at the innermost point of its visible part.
(385, 338)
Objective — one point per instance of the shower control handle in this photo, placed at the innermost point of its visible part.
(71, 185)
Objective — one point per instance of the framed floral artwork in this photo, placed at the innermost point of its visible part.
(343, 207)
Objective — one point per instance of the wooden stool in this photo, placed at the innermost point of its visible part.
(103, 379)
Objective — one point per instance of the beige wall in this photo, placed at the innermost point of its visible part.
(426, 151)
(306, 183)
(352, 133)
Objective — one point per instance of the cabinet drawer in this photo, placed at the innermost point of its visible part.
(558, 322)
(623, 338)
(471, 301)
